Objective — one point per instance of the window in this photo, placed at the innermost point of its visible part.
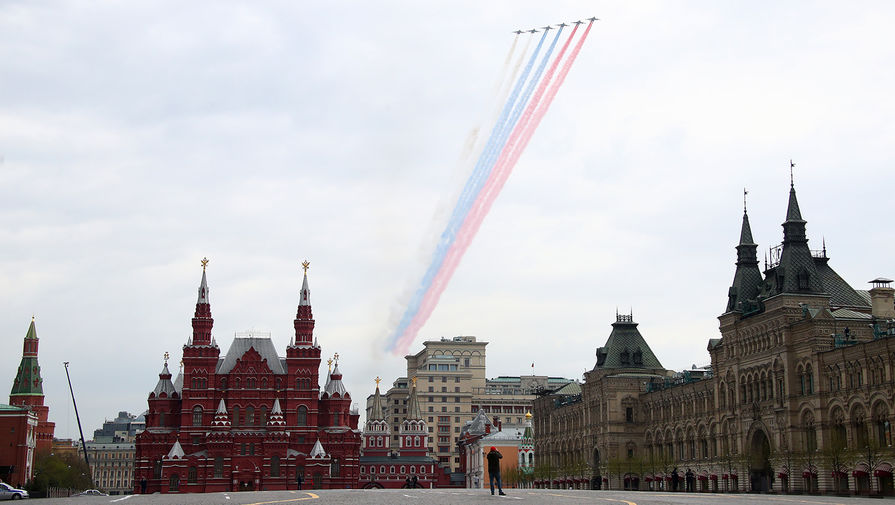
(235, 412)
(302, 416)
(191, 475)
(197, 416)
(218, 467)
(174, 483)
(465, 363)
(250, 416)
(274, 466)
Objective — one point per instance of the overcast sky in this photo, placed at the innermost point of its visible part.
(137, 138)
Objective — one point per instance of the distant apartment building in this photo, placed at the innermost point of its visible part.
(111, 453)
(451, 388)
(112, 465)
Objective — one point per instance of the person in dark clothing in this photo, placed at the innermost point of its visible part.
(414, 482)
(494, 457)
(143, 485)
(299, 480)
(674, 480)
(691, 481)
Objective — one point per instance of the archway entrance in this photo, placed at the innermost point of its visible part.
(760, 471)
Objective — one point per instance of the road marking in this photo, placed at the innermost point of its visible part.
(581, 496)
(415, 497)
(227, 496)
(311, 496)
(122, 499)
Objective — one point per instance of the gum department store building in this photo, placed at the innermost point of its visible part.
(798, 397)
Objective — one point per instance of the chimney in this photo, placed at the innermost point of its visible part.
(882, 298)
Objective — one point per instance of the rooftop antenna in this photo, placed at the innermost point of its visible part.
(791, 180)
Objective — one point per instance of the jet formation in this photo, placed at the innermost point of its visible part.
(551, 27)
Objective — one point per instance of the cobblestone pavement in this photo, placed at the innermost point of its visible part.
(461, 496)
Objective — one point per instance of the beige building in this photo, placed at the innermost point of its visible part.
(452, 387)
(112, 465)
(798, 397)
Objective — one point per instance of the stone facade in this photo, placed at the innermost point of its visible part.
(250, 419)
(799, 395)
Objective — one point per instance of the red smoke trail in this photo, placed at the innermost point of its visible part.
(509, 156)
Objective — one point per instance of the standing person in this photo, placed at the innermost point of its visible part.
(299, 480)
(143, 485)
(674, 479)
(494, 458)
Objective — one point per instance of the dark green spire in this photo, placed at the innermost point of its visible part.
(747, 279)
(28, 381)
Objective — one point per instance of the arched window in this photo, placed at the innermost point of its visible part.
(218, 467)
(263, 416)
(274, 466)
(191, 475)
(235, 412)
(302, 416)
(174, 483)
(197, 416)
(250, 416)
(335, 468)
(223, 383)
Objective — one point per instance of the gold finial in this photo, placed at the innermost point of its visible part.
(377, 380)
(32, 318)
(329, 364)
(181, 365)
(166, 357)
(204, 263)
(413, 380)
(305, 264)
(336, 358)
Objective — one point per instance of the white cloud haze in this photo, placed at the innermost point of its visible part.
(137, 138)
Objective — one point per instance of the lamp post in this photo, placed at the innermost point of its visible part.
(81, 431)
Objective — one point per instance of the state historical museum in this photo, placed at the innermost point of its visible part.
(248, 420)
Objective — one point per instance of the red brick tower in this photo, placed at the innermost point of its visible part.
(27, 391)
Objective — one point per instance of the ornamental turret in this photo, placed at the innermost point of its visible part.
(742, 295)
(202, 321)
(27, 389)
(413, 433)
(377, 433)
(304, 317)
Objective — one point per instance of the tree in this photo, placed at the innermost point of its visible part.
(66, 471)
(838, 457)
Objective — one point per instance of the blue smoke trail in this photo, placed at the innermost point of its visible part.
(499, 134)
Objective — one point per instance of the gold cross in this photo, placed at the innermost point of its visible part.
(336, 358)
(204, 263)
(329, 364)
(305, 264)
(378, 380)
(166, 357)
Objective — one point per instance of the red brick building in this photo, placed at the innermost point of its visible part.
(410, 464)
(24, 428)
(250, 419)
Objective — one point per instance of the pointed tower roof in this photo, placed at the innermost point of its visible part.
(276, 419)
(28, 381)
(413, 404)
(164, 384)
(305, 298)
(221, 417)
(796, 271)
(334, 384)
(304, 316)
(626, 348)
(202, 320)
(176, 450)
(317, 451)
(376, 413)
(747, 279)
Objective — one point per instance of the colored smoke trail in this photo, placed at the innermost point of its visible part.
(448, 266)
(467, 196)
(508, 140)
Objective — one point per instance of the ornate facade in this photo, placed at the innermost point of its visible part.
(249, 419)
(799, 395)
